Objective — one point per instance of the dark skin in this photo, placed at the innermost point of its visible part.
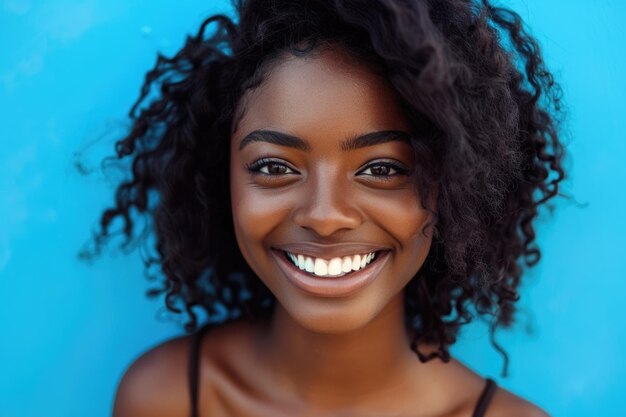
(319, 355)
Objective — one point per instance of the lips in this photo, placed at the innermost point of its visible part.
(340, 286)
(330, 251)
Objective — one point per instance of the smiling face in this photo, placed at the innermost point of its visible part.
(321, 167)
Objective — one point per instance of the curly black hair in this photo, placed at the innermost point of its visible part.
(473, 84)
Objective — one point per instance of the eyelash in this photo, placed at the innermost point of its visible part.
(399, 170)
(255, 168)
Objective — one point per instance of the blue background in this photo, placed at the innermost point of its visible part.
(69, 71)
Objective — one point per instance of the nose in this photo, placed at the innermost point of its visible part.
(327, 206)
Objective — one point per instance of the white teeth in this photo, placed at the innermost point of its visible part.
(346, 265)
(309, 265)
(321, 267)
(335, 267)
(364, 261)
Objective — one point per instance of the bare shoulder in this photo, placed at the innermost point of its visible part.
(505, 403)
(467, 386)
(155, 384)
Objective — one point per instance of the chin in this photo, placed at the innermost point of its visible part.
(325, 318)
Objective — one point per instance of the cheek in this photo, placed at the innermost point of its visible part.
(247, 221)
(404, 219)
(418, 236)
(415, 232)
(401, 215)
(255, 215)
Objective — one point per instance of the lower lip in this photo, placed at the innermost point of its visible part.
(331, 286)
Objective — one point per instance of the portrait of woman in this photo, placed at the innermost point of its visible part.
(352, 181)
(326, 194)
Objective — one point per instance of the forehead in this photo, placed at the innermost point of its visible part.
(327, 93)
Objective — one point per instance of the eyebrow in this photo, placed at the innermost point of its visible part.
(350, 144)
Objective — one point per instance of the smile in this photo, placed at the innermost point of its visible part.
(335, 267)
(325, 284)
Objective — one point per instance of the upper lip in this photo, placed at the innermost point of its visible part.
(338, 250)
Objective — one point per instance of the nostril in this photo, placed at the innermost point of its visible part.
(325, 218)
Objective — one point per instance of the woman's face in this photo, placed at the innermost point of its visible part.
(310, 188)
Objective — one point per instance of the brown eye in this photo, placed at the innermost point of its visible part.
(269, 167)
(383, 170)
(272, 168)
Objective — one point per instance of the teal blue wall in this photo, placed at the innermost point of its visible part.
(70, 70)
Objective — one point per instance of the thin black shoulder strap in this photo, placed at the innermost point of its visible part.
(485, 398)
(194, 351)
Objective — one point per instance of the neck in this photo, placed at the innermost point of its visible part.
(331, 370)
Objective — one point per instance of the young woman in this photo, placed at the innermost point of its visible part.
(340, 185)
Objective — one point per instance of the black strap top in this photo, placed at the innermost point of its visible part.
(479, 410)
(194, 351)
(485, 398)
